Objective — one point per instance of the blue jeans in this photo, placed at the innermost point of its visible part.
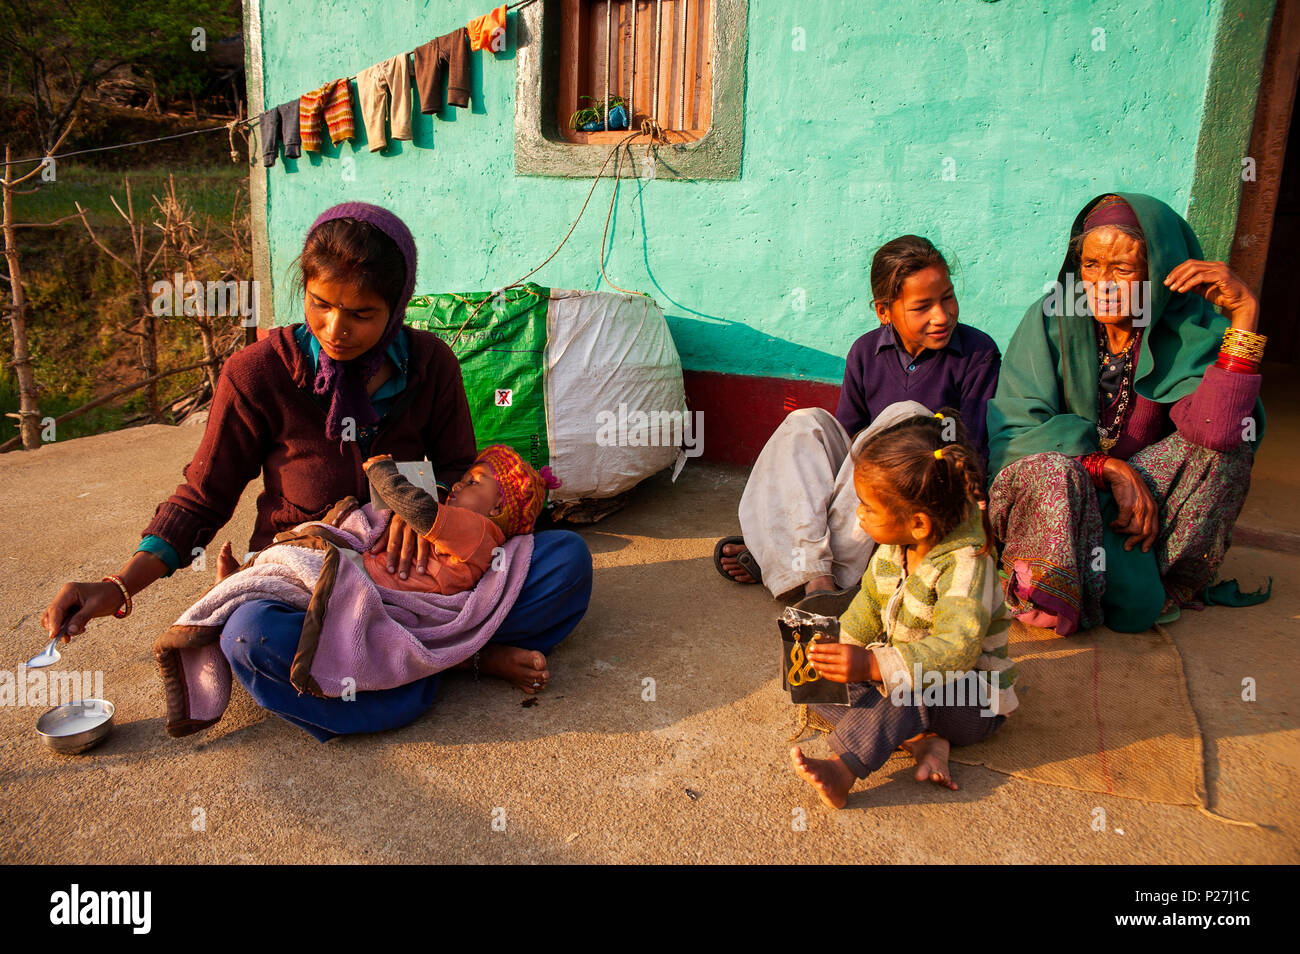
(261, 637)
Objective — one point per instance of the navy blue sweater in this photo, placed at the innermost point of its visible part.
(962, 375)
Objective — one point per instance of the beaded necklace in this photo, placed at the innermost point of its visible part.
(1107, 437)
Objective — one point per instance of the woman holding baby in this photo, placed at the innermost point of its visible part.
(306, 406)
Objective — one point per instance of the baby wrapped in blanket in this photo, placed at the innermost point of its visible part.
(366, 628)
(500, 496)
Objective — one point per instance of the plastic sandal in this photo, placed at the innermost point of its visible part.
(746, 560)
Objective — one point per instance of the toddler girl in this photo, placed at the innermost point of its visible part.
(925, 640)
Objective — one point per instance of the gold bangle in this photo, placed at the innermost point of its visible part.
(1244, 335)
(1239, 347)
(1243, 344)
(1250, 354)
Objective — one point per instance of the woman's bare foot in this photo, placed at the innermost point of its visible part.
(226, 562)
(830, 777)
(931, 754)
(523, 668)
(732, 566)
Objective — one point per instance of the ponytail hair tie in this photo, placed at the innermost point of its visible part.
(938, 454)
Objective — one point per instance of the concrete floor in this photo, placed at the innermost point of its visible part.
(595, 772)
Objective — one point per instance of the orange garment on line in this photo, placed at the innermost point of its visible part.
(331, 106)
(463, 542)
(488, 32)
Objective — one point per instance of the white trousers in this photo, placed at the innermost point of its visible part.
(798, 513)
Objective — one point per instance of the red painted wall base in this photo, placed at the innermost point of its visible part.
(741, 411)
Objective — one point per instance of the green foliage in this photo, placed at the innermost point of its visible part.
(209, 191)
(59, 49)
(88, 36)
(78, 298)
(596, 112)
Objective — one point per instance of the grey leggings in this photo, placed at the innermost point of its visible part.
(871, 726)
(280, 124)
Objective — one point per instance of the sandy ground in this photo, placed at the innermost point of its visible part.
(594, 772)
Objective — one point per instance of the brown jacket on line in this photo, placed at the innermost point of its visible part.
(264, 417)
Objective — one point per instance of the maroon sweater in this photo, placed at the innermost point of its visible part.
(1211, 415)
(265, 418)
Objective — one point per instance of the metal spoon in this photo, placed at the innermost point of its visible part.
(49, 655)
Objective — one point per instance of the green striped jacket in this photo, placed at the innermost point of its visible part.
(945, 619)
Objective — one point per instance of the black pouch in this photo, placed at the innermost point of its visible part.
(799, 629)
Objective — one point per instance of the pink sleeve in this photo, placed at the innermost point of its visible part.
(1214, 414)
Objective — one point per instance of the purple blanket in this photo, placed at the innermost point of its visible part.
(357, 636)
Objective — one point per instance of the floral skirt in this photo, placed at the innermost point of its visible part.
(1061, 557)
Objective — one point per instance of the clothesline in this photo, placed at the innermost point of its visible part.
(352, 78)
(383, 92)
(124, 145)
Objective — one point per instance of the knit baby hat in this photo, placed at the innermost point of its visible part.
(523, 489)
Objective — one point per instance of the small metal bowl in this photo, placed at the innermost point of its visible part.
(76, 726)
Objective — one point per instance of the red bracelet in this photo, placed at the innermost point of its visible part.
(1232, 362)
(124, 610)
(1095, 465)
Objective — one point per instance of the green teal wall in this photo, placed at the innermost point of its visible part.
(845, 148)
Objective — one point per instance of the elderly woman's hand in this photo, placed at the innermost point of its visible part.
(1139, 515)
(1220, 286)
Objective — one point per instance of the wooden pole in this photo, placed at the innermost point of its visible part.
(28, 413)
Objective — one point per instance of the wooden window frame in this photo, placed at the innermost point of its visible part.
(684, 117)
(542, 148)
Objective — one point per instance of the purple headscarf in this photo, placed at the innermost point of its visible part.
(1111, 210)
(345, 381)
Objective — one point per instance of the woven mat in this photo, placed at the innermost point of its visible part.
(1099, 712)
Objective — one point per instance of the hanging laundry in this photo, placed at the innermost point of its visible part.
(332, 105)
(277, 124)
(488, 32)
(447, 55)
(385, 88)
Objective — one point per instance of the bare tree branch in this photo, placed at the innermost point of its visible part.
(47, 225)
(95, 238)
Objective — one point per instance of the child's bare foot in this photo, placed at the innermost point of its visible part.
(830, 777)
(931, 754)
(226, 562)
(818, 583)
(523, 668)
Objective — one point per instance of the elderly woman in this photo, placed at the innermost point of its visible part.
(1123, 429)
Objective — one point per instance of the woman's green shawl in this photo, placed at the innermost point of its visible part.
(1047, 392)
